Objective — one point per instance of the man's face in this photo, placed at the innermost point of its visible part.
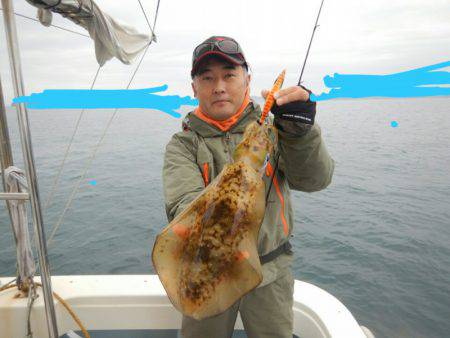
(220, 88)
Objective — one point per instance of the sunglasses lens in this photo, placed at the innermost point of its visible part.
(201, 49)
(228, 46)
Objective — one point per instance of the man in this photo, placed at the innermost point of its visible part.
(196, 155)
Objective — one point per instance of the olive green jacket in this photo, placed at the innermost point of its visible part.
(304, 165)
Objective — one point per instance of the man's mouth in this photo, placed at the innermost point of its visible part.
(220, 101)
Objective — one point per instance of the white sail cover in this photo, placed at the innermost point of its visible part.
(112, 39)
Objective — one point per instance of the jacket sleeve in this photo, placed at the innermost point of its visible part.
(182, 179)
(304, 158)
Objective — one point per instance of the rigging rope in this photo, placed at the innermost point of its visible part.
(8, 285)
(32, 292)
(91, 159)
(32, 296)
(55, 182)
(156, 15)
(146, 19)
(94, 152)
(62, 301)
(59, 27)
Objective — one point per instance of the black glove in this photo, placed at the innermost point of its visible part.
(298, 111)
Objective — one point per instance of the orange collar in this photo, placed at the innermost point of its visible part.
(225, 125)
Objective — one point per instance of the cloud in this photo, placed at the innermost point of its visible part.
(354, 37)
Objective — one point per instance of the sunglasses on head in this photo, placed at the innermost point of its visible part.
(225, 46)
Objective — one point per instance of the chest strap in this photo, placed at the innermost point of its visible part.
(286, 248)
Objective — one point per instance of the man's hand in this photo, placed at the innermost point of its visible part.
(290, 94)
(292, 104)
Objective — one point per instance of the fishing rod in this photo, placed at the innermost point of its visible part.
(310, 43)
(299, 83)
(270, 99)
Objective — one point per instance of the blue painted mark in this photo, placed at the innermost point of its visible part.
(93, 182)
(420, 82)
(394, 124)
(96, 99)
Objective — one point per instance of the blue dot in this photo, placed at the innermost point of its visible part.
(93, 182)
(394, 124)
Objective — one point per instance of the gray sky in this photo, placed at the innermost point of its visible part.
(355, 36)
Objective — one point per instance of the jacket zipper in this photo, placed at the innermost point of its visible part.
(227, 147)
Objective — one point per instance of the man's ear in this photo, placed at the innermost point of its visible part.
(194, 89)
(248, 78)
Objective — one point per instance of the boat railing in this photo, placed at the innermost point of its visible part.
(30, 169)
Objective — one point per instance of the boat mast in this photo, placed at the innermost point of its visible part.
(27, 150)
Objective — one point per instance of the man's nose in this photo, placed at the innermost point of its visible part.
(219, 87)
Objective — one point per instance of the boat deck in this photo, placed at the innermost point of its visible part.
(144, 334)
(137, 306)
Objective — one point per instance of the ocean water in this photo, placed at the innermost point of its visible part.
(378, 238)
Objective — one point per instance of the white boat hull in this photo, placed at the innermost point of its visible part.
(138, 302)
